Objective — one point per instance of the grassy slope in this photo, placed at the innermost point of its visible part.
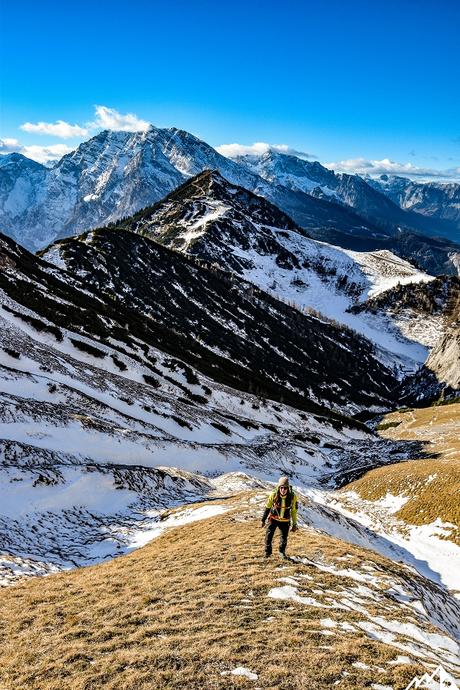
(191, 605)
(433, 483)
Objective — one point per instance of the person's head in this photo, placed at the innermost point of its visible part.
(283, 485)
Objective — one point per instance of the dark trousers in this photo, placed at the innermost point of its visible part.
(271, 527)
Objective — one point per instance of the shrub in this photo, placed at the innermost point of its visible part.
(200, 399)
(86, 347)
(121, 365)
(182, 422)
(38, 324)
(12, 353)
(387, 425)
(151, 380)
(191, 377)
(221, 427)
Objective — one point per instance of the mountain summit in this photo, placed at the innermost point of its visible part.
(115, 174)
(221, 223)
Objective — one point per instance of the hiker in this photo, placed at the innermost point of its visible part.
(281, 509)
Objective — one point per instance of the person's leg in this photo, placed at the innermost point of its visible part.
(271, 527)
(284, 529)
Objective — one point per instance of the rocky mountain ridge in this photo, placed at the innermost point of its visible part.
(229, 226)
(193, 317)
(116, 173)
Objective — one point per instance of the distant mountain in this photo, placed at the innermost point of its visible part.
(369, 198)
(437, 202)
(233, 228)
(398, 227)
(291, 171)
(115, 174)
(22, 186)
(108, 177)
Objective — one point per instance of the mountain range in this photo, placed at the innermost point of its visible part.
(187, 336)
(114, 174)
(433, 200)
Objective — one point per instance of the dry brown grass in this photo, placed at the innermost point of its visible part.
(171, 615)
(433, 484)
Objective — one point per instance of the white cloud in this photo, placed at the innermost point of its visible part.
(60, 129)
(258, 148)
(9, 145)
(41, 154)
(364, 166)
(109, 118)
(106, 118)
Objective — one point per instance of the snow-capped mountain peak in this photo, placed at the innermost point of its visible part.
(290, 171)
(116, 173)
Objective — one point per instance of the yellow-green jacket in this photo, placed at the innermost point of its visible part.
(281, 508)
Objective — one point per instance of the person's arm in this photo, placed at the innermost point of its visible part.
(268, 507)
(265, 516)
(294, 512)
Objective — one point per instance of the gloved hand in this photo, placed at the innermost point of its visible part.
(262, 524)
(294, 528)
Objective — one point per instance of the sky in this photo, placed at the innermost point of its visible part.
(367, 86)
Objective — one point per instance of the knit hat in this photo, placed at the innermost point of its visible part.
(283, 481)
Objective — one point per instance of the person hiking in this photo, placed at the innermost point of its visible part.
(281, 509)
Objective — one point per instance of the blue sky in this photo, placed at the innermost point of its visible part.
(341, 81)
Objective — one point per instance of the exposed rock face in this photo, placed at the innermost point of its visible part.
(440, 376)
(438, 201)
(444, 360)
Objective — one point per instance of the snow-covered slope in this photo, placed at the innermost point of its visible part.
(243, 233)
(101, 426)
(429, 313)
(422, 310)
